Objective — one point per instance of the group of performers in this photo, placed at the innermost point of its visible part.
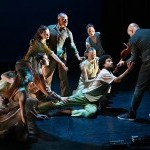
(26, 92)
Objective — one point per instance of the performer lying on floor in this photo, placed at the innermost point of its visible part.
(89, 97)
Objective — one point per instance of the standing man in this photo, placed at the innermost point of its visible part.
(139, 43)
(61, 39)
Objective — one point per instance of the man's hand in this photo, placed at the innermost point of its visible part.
(64, 67)
(82, 58)
(121, 63)
(64, 99)
(79, 58)
(130, 65)
(41, 116)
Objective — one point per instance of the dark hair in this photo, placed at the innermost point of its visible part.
(89, 25)
(102, 60)
(22, 64)
(39, 56)
(40, 30)
(20, 76)
(23, 72)
(39, 60)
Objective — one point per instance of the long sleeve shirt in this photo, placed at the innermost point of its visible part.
(37, 47)
(59, 40)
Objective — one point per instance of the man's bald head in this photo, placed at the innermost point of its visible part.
(132, 29)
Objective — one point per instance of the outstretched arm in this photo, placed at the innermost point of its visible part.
(130, 66)
(21, 97)
(59, 61)
(41, 85)
(37, 115)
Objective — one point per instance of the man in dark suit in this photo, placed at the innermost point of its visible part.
(139, 43)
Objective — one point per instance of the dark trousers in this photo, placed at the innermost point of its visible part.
(142, 84)
(64, 87)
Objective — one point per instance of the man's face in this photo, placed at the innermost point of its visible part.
(108, 63)
(131, 30)
(63, 21)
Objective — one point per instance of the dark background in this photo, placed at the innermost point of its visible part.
(20, 20)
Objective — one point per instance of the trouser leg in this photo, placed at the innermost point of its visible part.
(136, 100)
(50, 71)
(64, 86)
(142, 83)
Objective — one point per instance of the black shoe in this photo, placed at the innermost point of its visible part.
(104, 105)
(128, 116)
(31, 127)
(66, 112)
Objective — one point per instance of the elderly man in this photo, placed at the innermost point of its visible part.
(139, 43)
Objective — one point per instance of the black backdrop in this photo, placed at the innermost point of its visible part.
(20, 20)
(116, 16)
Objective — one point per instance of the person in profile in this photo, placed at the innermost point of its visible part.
(139, 43)
(38, 45)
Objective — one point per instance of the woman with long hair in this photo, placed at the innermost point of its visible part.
(38, 45)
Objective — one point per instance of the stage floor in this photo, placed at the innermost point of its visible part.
(104, 131)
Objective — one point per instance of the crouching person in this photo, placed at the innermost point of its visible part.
(18, 105)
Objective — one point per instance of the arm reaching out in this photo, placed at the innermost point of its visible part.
(59, 61)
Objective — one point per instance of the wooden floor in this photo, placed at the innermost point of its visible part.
(104, 131)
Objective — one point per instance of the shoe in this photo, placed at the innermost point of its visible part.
(128, 116)
(104, 105)
(31, 127)
(66, 112)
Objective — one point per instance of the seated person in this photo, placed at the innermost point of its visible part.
(39, 89)
(89, 69)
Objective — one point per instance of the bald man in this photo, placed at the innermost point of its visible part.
(60, 41)
(139, 43)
